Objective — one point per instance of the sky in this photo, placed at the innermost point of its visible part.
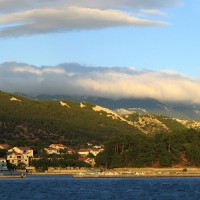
(158, 38)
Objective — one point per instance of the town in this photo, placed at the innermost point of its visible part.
(54, 156)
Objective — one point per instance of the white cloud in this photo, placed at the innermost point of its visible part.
(67, 19)
(27, 17)
(152, 12)
(74, 79)
(39, 72)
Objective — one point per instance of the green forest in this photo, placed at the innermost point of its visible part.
(48, 121)
(160, 150)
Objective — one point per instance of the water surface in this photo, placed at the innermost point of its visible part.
(63, 187)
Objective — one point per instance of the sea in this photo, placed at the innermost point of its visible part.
(61, 187)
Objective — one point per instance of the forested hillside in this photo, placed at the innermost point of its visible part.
(175, 149)
(62, 121)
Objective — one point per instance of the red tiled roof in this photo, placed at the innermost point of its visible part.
(71, 149)
(5, 146)
(50, 148)
(2, 159)
(59, 145)
(24, 148)
(95, 149)
(82, 159)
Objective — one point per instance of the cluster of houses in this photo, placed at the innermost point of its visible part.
(18, 155)
(84, 153)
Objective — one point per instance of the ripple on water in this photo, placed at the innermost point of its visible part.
(63, 187)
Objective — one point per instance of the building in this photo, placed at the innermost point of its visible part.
(51, 150)
(4, 146)
(58, 146)
(56, 149)
(70, 150)
(83, 152)
(95, 151)
(3, 164)
(88, 160)
(17, 155)
(23, 150)
(16, 158)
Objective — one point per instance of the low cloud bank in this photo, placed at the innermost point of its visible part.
(113, 82)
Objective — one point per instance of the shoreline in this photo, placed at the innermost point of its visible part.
(125, 173)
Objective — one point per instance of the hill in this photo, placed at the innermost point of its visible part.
(131, 140)
(72, 123)
(58, 121)
(179, 110)
(155, 123)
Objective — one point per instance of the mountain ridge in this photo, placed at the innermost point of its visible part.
(185, 111)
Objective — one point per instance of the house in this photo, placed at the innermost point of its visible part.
(16, 158)
(4, 146)
(83, 152)
(51, 150)
(23, 150)
(95, 151)
(58, 146)
(70, 150)
(20, 154)
(3, 164)
(87, 160)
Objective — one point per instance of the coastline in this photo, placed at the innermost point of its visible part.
(126, 173)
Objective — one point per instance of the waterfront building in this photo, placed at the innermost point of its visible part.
(3, 164)
(17, 155)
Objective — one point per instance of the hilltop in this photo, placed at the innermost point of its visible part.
(184, 111)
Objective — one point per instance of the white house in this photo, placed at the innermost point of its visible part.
(23, 150)
(90, 161)
(83, 152)
(95, 151)
(16, 158)
(20, 154)
(51, 150)
(58, 146)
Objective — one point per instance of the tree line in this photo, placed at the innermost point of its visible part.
(158, 150)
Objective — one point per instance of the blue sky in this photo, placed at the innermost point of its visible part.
(174, 46)
(110, 48)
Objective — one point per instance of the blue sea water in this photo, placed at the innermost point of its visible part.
(63, 187)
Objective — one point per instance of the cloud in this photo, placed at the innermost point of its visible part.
(67, 19)
(110, 82)
(26, 17)
(152, 12)
(13, 5)
(39, 72)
